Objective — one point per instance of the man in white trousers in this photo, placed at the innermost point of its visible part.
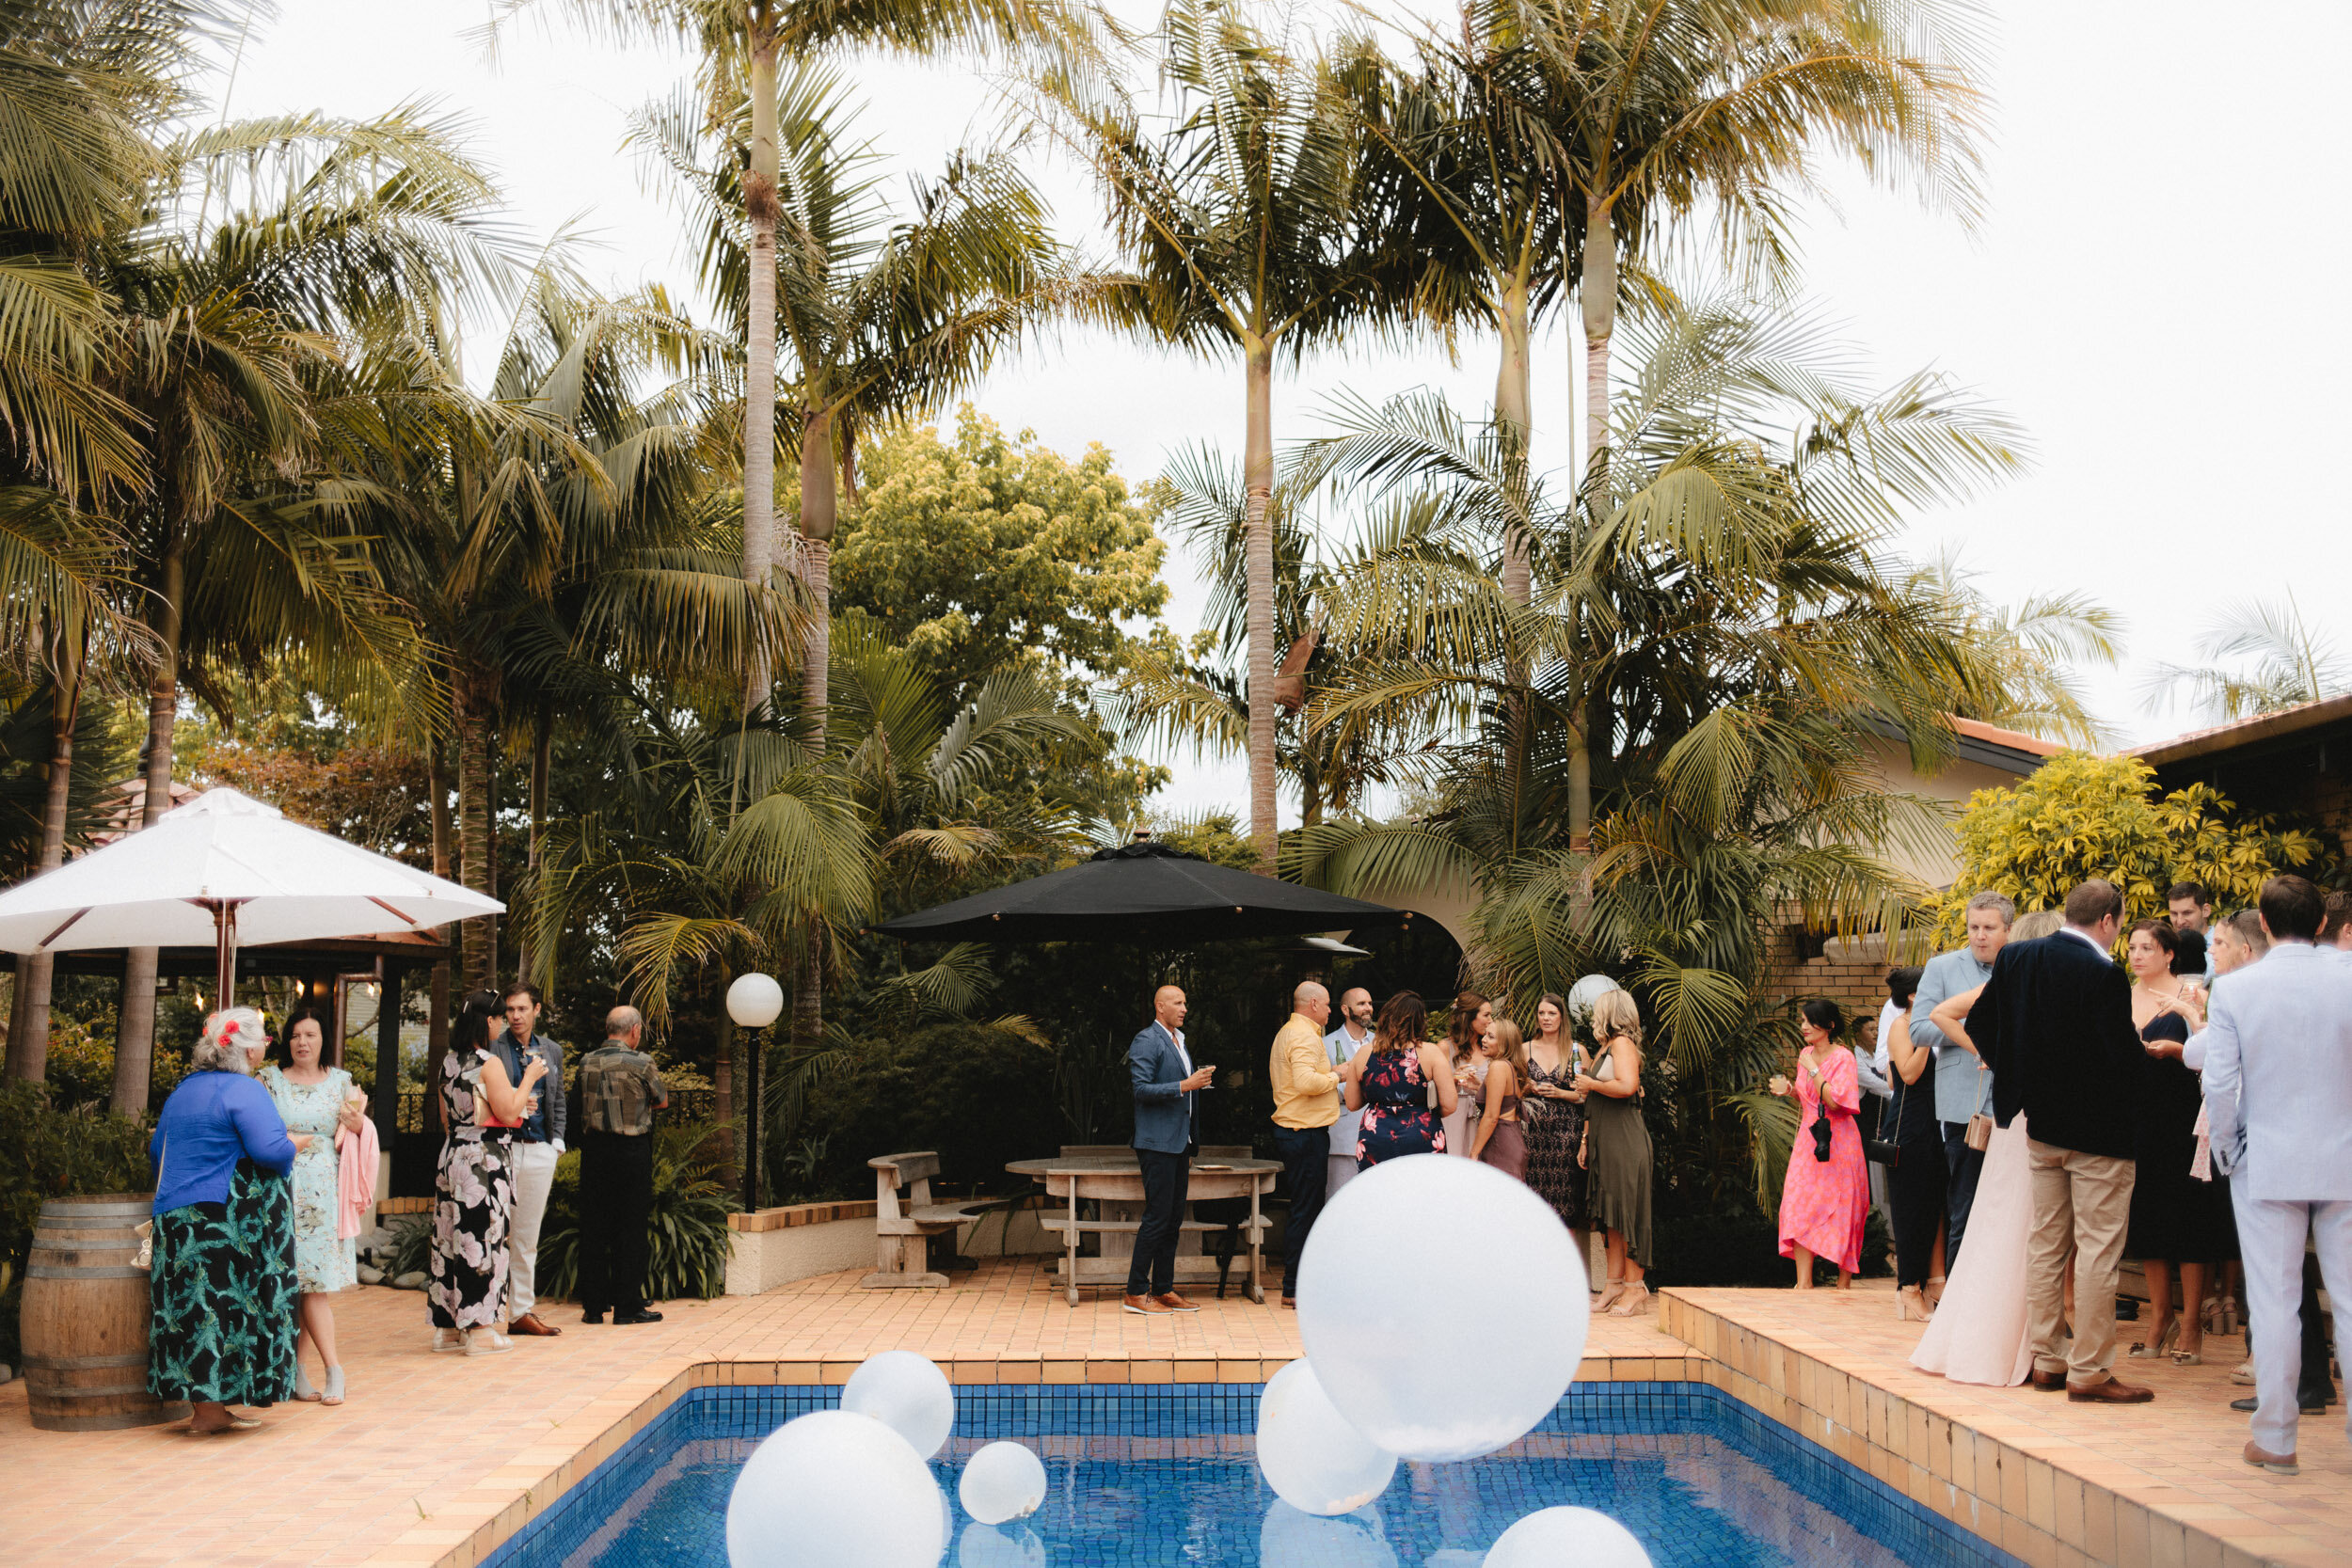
(1354, 1028)
(2279, 1108)
(536, 1145)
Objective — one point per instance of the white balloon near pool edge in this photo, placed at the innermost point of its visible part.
(1556, 1535)
(1308, 1453)
(1290, 1539)
(1001, 1481)
(831, 1487)
(907, 1393)
(1435, 1240)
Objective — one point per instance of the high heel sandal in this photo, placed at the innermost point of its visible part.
(1632, 1303)
(303, 1390)
(1911, 1306)
(2142, 1351)
(1602, 1302)
(1933, 1291)
(334, 1394)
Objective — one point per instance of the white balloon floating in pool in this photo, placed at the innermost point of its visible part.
(1290, 1539)
(1479, 1237)
(1560, 1535)
(1314, 1460)
(999, 1546)
(1004, 1481)
(831, 1487)
(907, 1393)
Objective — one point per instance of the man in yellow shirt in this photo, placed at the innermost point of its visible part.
(1306, 1103)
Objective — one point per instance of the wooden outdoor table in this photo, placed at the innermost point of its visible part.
(1115, 1182)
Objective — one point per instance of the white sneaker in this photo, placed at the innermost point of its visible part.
(447, 1341)
(487, 1342)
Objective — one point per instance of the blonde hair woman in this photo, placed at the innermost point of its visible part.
(1617, 1154)
(1499, 1140)
(1472, 1016)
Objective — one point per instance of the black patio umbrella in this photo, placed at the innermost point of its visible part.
(1143, 891)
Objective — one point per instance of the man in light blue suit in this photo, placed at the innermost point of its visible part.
(1964, 1085)
(1167, 1130)
(2278, 1051)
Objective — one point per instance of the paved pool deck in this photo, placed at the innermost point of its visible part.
(437, 1460)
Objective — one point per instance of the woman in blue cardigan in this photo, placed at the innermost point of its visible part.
(221, 1321)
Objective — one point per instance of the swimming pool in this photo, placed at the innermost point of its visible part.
(1162, 1476)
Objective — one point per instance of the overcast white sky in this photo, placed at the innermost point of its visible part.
(2155, 293)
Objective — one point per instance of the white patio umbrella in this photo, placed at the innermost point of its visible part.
(224, 868)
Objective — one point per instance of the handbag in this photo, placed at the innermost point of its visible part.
(1878, 1150)
(1980, 1134)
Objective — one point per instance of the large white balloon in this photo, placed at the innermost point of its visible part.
(1425, 1244)
(907, 1393)
(1586, 991)
(1004, 1481)
(999, 1546)
(831, 1487)
(1314, 1460)
(1558, 1535)
(1289, 1539)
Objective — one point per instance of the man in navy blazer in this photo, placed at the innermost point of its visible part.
(2278, 1057)
(1167, 1129)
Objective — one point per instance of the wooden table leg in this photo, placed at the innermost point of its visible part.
(1070, 1259)
(1257, 1285)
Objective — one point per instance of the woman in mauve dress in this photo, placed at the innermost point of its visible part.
(1826, 1197)
(1498, 1140)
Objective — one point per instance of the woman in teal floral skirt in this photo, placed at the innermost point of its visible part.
(221, 1313)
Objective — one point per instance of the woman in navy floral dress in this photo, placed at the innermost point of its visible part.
(1389, 1079)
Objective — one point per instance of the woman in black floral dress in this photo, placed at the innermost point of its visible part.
(1553, 1116)
(474, 1186)
(1389, 1079)
(220, 1313)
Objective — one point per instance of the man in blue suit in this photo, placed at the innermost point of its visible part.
(1167, 1129)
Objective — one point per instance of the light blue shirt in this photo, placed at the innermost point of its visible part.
(1964, 1085)
(1341, 1047)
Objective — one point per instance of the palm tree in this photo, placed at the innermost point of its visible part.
(2038, 644)
(1242, 226)
(2264, 655)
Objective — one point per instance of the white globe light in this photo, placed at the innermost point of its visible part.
(1290, 1539)
(999, 1546)
(1314, 1460)
(754, 1000)
(830, 1487)
(1558, 1535)
(907, 1393)
(1004, 1481)
(1586, 991)
(1479, 1237)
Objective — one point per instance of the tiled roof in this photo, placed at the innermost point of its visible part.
(2241, 732)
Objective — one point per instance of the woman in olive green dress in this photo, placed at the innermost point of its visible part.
(1617, 1152)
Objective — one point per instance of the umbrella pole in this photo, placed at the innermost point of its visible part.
(225, 952)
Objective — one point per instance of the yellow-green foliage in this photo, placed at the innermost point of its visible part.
(2080, 816)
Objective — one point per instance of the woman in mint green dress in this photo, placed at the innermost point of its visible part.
(317, 1100)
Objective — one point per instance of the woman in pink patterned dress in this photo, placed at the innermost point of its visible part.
(1827, 1194)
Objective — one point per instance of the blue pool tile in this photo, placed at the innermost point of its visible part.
(1163, 1475)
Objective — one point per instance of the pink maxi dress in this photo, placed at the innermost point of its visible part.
(1978, 1334)
(1824, 1202)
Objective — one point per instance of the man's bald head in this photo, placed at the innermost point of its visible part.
(1356, 1007)
(1309, 1000)
(1168, 1005)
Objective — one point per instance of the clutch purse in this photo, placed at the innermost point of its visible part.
(1980, 1134)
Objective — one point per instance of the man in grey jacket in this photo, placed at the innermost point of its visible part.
(1964, 1085)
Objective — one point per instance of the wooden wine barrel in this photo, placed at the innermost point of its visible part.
(84, 1317)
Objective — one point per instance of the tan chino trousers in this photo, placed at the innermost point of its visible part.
(2083, 1201)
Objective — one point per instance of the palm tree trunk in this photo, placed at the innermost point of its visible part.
(473, 705)
(820, 510)
(134, 1026)
(532, 964)
(1258, 545)
(436, 1014)
(28, 1045)
(1598, 289)
(1514, 410)
(759, 346)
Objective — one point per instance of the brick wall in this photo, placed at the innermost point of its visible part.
(1851, 973)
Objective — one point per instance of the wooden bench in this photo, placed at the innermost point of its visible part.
(902, 1233)
(1084, 1178)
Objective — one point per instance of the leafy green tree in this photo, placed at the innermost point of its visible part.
(2079, 815)
(983, 552)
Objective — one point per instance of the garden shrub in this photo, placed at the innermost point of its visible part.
(690, 1239)
(46, 1152)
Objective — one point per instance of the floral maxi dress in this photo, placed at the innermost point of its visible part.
(1824, 1202)
(1398, 1118)
(473, 1197)
(323, 1259)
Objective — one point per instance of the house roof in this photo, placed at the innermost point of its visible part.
(2015, 740)
(2238, 732)
(1987, 744)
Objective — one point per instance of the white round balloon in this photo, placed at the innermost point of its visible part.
(831, 1487)
(1004, 1481)
(907, 1393)
(1289, 1539)
(999, 1546)
(1481, 1241)
(1586, 991)
(1314, 1460)
(1558, 1535)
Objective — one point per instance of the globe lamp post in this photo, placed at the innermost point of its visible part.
(754, 1002)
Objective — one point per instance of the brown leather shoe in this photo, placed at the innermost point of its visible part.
(530, 1323)
(1174, 1303)
(2277, 1464)
(2049, 1383)
(2113, 1391)
(1143, 1304)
